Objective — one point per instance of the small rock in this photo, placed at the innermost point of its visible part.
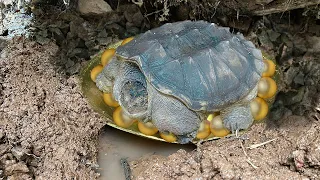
(64, 27)
(116, 29)
(290, 74)
(20, 177)
(137, 19)
(75, 43)
(265, 41)
(43, 33)
(70, 17)
(69, 63)
(4, 54)
(132, 31)
(110, 19)
(42, 40)
(37, 150)
(57, 35)
(5, 158)
(93, 7)
(19, 153)
(2, 134)
(273, 35)
(90, 44)
(82, 30)
(299, 46)
(10, 162)
(3, 43)
(33, 162)
(80, 53)
(133, 15)
(102, 34)
(313, 43)
(104, 41)
(299, 79)
(74, 69)
(3, 149)
(16, 168)
(291, 98)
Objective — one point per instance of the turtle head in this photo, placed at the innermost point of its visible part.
(133, 98)
(130, 90)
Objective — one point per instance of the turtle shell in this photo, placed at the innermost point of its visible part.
(205, 66)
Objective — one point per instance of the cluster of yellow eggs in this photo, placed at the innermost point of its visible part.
(213, 125)
(267, 88)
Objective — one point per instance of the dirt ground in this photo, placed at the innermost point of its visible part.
(49, 131)
(293, 153)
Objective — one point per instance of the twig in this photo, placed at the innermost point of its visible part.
(260, 144)
(254, 166)
(37, 157)
(155, 12)
(279, 8)
(248, 158)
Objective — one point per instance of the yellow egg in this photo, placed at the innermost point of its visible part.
(106, 56)
(147, 128)
(217, 123)
(217, 128)
(220, 132)
(267, 88)
(270, 68)
(204, 130)
(125, 41)
(211, 116)
(259, 108)
(109, 100)
(95, 71)
(169, 137)
(122, 120)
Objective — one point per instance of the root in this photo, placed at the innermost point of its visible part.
(260, 144)
(286, 6)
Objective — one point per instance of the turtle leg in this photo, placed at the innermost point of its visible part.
(237, 117)
(169, 114)
(130, 90)
(104, 80)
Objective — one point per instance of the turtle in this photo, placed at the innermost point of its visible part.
(178, 75)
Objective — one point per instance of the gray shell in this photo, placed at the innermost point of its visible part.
(203, 65)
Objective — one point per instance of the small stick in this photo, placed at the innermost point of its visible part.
(261, 144)
(248, 158)
(254, 166)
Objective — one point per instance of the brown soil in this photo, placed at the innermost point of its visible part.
(48, 130)
(294, 153)
(44, 114)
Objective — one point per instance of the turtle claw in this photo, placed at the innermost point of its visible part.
(236, 118)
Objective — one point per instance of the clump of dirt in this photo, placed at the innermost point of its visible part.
(48, 131)
(291, 154)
